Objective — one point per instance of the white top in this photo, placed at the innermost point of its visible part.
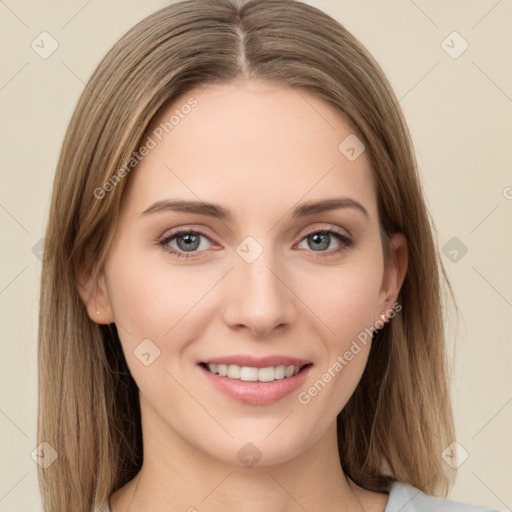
(406, 498)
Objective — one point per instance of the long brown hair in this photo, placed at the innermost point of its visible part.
(399, 419)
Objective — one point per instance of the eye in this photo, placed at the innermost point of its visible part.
(187, 241)
(320, 239)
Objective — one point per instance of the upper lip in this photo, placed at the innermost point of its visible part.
(257, 362)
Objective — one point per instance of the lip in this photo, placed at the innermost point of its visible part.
(256, 393)
(257, 362)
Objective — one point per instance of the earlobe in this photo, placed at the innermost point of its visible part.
(95, 298)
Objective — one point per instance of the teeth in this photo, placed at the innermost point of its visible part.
(233, 371)
(249, 373)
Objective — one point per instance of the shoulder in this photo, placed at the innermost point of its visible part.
(406, 498)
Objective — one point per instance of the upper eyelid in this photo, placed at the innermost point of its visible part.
(201, 230)
(331, 227)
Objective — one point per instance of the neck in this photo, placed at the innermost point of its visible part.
(175, 472)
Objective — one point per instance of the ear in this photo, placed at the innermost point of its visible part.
(94, 294)
(394, 275)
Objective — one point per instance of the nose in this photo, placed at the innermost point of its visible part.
(258, 296)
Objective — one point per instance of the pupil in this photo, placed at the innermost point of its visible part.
(189, 240)
(317, 238)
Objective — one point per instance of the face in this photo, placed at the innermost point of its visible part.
(256, 281)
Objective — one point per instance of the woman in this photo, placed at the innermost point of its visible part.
(195, 352)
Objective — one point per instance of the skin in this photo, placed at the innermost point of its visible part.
(258, 150)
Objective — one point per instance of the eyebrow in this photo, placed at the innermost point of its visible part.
(217, 211)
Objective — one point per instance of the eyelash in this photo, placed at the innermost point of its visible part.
(345, 242)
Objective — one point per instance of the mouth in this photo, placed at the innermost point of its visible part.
(255, 381)
(253, 373)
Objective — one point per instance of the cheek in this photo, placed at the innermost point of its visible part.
(156, 301)
(334, 380)
(148, 303)
(342, 298)
(149, 296)
(344, 301)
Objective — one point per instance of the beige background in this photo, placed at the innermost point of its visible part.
(460, 114)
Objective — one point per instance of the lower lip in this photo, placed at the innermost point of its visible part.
(257, 393)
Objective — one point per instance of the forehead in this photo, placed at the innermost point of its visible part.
(250, 146)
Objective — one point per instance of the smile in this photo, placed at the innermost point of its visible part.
(263, 384)
(253, 374)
